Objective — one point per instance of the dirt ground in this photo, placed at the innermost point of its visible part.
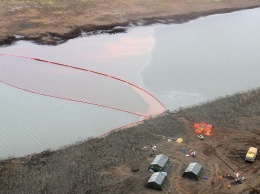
(55, 21)
(119, 162)
(221, 154)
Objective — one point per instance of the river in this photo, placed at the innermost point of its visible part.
(177, 65)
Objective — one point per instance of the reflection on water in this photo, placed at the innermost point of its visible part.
(95, 53)
(68, 83)
(205, 58)
(180, 64)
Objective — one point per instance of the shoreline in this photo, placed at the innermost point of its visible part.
(179, 113)
(52, 39)
(117, 162)
(112, 29)
(110, 164)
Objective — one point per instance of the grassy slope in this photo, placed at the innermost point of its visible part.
(104, 165)
(226, 111)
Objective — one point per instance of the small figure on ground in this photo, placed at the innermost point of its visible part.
(151, 153)
(192, 153)
(153, 150)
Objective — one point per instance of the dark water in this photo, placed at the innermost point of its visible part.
(180, 64)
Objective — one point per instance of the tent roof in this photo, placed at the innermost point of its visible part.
(160, 160)
(194, 167)
(157, 177)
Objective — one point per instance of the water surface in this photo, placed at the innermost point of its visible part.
(180, 64)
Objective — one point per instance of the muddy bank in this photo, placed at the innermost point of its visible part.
(51, 24)
(50, 38)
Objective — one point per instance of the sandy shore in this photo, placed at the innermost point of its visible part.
(54, 22)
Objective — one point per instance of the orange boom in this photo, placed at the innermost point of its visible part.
(203, 127)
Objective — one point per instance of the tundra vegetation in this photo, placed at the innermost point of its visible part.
(118, 162)
(55, 21)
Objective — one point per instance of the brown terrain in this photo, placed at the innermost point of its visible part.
(55, 21)
(118, 162)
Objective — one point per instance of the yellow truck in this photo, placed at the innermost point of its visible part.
(251, 154)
